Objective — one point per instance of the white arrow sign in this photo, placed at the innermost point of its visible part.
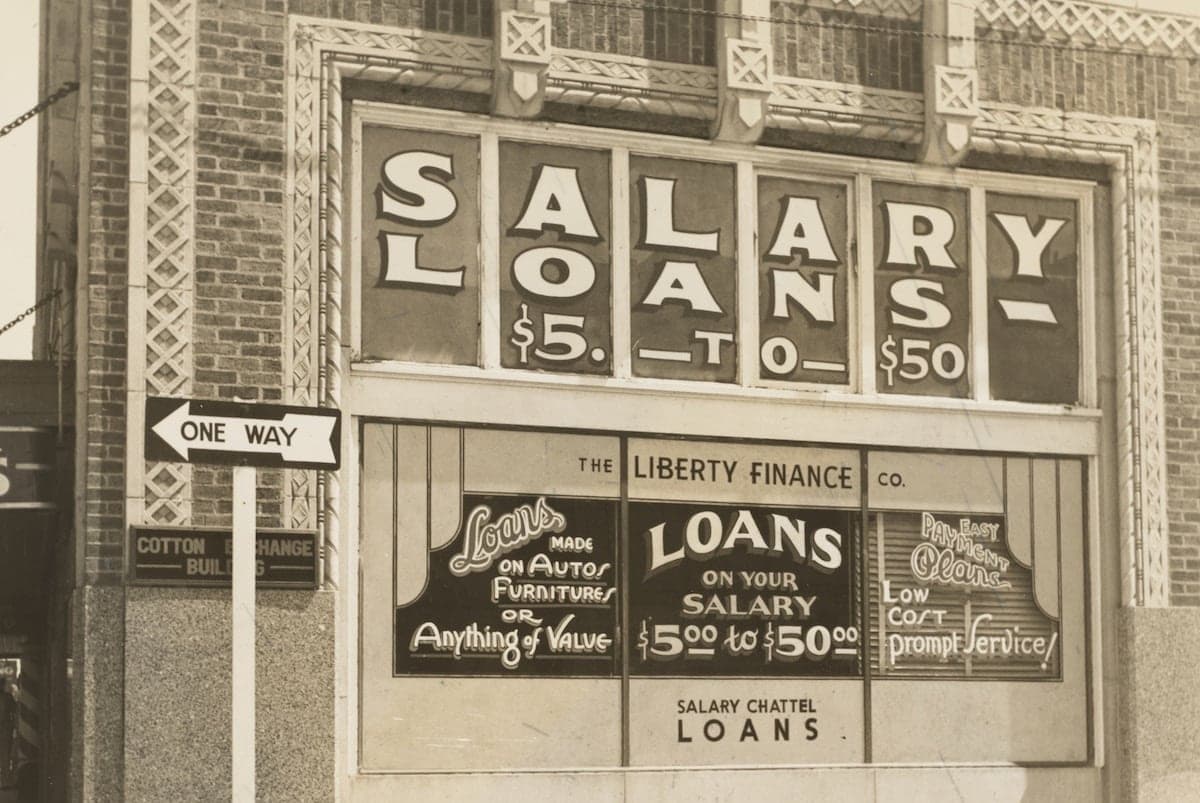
(297, 438)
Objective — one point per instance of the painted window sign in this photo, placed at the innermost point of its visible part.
(752, 602)
(642, 267)
(555, 289)
(734, 561)
(803, 282)
(969, 589)
(419, 274)
(922, 290)
(683, 282)
(1033, 291)
(742, 561)
(517, 578)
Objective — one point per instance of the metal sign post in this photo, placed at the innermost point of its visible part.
(244, 435)
(245, 487)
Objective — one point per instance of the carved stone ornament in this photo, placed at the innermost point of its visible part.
(957, 92)
(747, 65)
(745, 87)
(956, 106)
(162, 212)
(526, 37)
(521, 64)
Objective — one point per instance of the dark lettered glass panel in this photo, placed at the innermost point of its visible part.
(683, 276)
(1033, 298)
(420, 246)
(555, 253)
(506, 564)
(528, 588)
(922, 290)
(802, 281)
(748, 590)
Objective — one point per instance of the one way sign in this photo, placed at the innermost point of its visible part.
(204, 431)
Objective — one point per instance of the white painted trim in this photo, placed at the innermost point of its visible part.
(978, 288)
(354, 235)
(865, 262)
(489, 250)
(622, 302)
(135, 360)
(1085, 211)
(673, 407)
(746, 288)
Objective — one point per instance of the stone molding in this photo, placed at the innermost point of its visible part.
(632, 84)
(162, 157)
(323, 54)
(1068, 22)
(1082, 24)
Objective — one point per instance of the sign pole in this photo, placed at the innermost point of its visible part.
(244, 434)
(244, 504)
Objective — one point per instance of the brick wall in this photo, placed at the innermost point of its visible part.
(108, 216)
(240, 178)
(1166, 90)
(842, 46)
(680, 30)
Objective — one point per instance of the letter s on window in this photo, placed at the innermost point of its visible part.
(409, 191)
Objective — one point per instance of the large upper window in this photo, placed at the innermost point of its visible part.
(558, 251)
(674, 453)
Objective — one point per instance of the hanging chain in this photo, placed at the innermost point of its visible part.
(45, 103)
(41, 302)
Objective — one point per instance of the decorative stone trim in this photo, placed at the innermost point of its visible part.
(957, 92)
(323, 55)
(893, 9)
(1078, 23)
(525, 37)
(824, 107)
(632, 84)
(744, 70)
(521, 62)
(749, 65)
(162, 154)
(951, 83)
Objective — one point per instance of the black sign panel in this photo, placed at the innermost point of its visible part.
(188, 556)
(272, 435)
(750, 591)
(528, 588)
(1033, 298)
(26, 467)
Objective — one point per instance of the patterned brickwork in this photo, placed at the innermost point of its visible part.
(108, 215)
(1166, 90)
(826, 44)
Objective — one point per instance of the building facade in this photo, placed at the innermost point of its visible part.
(738, 398)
